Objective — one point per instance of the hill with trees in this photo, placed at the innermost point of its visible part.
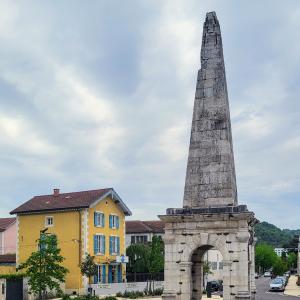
(270, 234)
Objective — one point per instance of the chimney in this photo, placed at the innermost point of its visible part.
(55, 192)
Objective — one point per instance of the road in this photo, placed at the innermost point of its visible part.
(262, 286)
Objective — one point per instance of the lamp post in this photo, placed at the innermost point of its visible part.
(40, 262)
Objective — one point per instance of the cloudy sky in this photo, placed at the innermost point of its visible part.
(100, 94)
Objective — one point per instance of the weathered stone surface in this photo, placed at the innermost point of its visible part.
(210, 175)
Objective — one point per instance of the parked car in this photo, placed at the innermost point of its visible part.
(283, 278)
(215, 286)
(256, 275)
(277, 284)
(267, 274)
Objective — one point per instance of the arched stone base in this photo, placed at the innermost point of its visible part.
(188, 236)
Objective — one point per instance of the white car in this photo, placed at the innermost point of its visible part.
(267, 274)
(277, 285)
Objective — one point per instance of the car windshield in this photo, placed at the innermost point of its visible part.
(277, 281)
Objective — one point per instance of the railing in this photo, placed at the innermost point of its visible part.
(143, 277)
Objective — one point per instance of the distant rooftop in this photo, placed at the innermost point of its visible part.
(6, 222)
(138, 226)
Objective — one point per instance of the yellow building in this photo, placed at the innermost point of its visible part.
(84, 222)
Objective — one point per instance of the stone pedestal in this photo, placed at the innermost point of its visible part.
(189, 235)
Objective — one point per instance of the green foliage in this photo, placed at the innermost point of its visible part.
(16, 276)
(88, 267)
(146, 257)
(265, 257)
(137, 257)
(43, 268)
(279, 267)
(270, 234)
(207, 268)
(292, 260)
(138, 294)
(155, 256)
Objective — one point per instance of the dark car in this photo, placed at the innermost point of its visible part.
(215, 286)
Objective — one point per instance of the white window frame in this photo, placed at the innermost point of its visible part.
(99, 273)
(115, 248)
(101, 213)
(99, 240)
(46, 221)
(114, 222)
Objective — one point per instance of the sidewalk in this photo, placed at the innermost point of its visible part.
(292, 289)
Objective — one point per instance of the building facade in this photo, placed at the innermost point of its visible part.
(88, 222)
(7, 235)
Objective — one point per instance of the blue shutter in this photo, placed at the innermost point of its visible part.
(110, 244)
(117, 222)
(109, 274)
(95, 244)
(103, 244)
(118, 244)
(95, 279)
(110, 221)
(103, 273)
(119, 273)
(95, 219)
(103, 220)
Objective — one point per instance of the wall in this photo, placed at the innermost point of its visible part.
(113, 288)
(7, 269)
(66, 227)
(9, 238)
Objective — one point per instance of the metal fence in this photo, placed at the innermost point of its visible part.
(143, 277)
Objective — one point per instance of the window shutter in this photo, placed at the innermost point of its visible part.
(109, 274)
(118, 245)
(103, 220)
(95, 244)
(110, 221)
(95, 219)
(119, 273)
(110, 245)
(117, 222)
(103, 273)
(95, 279)
(103, 244)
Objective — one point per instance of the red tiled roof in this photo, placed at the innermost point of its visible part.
(156, 226)
(67, 201)
(8, 258)
(5, 222)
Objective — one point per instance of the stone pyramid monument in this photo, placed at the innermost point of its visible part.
(210, 217)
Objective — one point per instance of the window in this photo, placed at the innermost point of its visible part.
(49, 221)
(221, 265)
(114, 245)
(114, 222)
(139, 239)
(99, 219)
(100, 277)
(99, 244)
(214, 265)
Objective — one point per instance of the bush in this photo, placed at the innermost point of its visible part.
(130, 294)
(109, 298)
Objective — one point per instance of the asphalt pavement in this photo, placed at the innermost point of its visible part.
(262, 288)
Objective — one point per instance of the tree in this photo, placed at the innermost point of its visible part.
(146, 258)
(265, 257)
(88, 268)
(279, 267)
(43, 268)
(292, 260)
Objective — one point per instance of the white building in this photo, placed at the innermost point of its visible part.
(143, 231)
(279, 251)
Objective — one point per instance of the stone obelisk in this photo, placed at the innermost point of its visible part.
(210, 176)
(211, 217)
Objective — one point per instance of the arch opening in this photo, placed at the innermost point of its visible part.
(207, 266)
